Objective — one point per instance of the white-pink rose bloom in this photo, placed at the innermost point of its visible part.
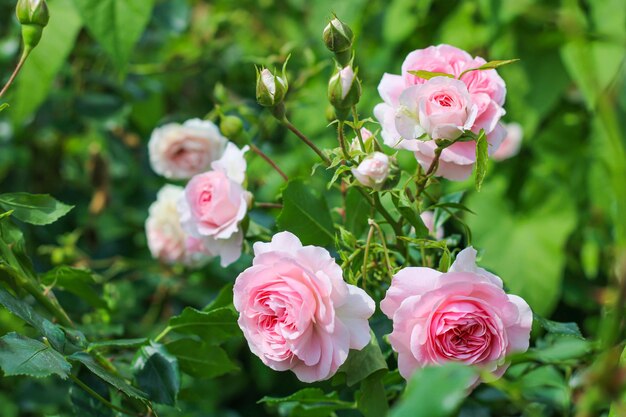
(463, 315)
(167, 240)
(296, 311)
(182, 151)
(214, 204)
(487, 92)
(512, 142)
(428, 217)
(373, 170)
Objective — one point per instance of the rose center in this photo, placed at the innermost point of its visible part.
(444, 100)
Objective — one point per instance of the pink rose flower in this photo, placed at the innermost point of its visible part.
(182, 151)
(463, 315)
(296, 311)
(355, 145)
(487, 92)
(167, 240)
(373, 170)
(214, 204)
(440, 108)
(428, 217)
(511, 144)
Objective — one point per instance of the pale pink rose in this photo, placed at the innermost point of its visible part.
(440, 108)
(373, 170)
(182, 151)
(214, 204)
(167, 240)
(463, 315)
(511, 144)
(487, 91)
(296, 311)
(355, 145)
(428, 217)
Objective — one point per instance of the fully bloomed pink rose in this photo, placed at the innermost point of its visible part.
(167, 240)
(486, 89)
(182, 151)
(214, 204)
(296, 311)
(463, 315)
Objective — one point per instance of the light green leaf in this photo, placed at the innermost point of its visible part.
(156, 371)
(490, 65)
(306, 214)
(116, 24)
(38, 209)
(201, 360)
(75, 280)
(435, 391)
(427, 75)
(482, 156)
(42, 66)
(20, 355)
(213, 327)
(555, 327)
(402, 17)
(3, 106)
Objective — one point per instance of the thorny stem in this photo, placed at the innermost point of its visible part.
(16, 71)
(269, 160)
(306, 140)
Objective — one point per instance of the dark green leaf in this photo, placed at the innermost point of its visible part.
(410, 214)
(75, 280)
(308, 402)
(156, 372)
(482, 156)
(357, 212)
(199, 359)
(119, 343)
(445, 208)
(20, 355)
(213, 327)
(427, 75)
(84, 404)
(371, 398)
(555, 327)
(116, 24)
(224, 298)
(106, 375)
(39, 209)
(363, 363)
(306, 214)
(435, 391)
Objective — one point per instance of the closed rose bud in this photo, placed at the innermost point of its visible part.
(344, 88)
(33, 15)
(270, 88)
(231, 127)
(373, 171)
(338, 36)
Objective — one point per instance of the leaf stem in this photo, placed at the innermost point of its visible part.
(381, 235)
(103, 400)
(16, 71)
(269, 160)
(306, 140)
(370, 234)
(342, 141)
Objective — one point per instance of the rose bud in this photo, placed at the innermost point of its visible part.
(344, 88)
(270, 88)
(33, 15)
(231, 127)
(373, 171)
(338, 38)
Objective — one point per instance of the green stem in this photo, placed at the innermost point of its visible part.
(103, 400)
(381, 235)
(355, 120)
(16, 71)
(162, 334)
(342, 141)
(370, 234)
(269, 160)
(306, 140)
(432, 169)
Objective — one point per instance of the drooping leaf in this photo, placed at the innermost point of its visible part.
(43, 64)
(363, 363)
(75, 280)
(490, 65)
(199, 359)
(482, 156)
(38, 209)
(213, 327)
(20, 355)
(427, 75)
(435, 391)
(116, 24)
(114, 380)
(156, 372)
(306, 214)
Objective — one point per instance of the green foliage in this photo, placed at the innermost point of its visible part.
(76, 281)
(363, 363)
(36, 209)
(156, 371)
(201, 360)
(213, 327)
(20, 355)
(482, 156)
(308, 402)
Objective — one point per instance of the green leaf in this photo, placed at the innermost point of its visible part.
(20, 355)
(410, 213)
(490, 65)
(112, 379)
(482, 156)
(357, 212)
(555, 327)
(224, 298)
(3, 106)
(445, 208)
(43, 64)
(371, 398)
(402, 17)
(118, 343)
(201, 360)
(116, 24)
(75, 280)
(213, 327)
(156, 372)
(38, 209)
(563, 349)
(306, 214)
(363, 363)
(427, 75)
(435, 391)
(308, 402)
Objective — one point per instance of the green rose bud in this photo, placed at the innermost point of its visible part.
(338, 38)
(344, 89)
(270, 88)
(33, 16)
(231, 127)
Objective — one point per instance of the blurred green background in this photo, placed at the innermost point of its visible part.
(549, 221)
